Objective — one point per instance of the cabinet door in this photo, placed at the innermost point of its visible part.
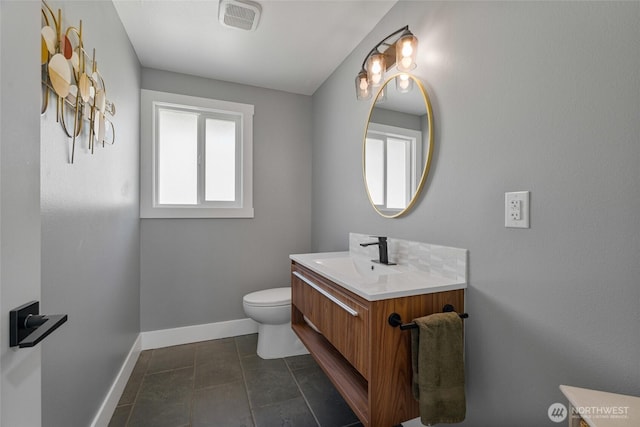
(342, 320)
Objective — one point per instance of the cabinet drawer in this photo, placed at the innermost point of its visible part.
(342, 320)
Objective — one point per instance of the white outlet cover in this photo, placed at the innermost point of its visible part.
(509, 220)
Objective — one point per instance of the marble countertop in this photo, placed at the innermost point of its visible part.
(374, 281)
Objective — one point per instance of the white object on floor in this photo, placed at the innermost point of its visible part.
(271, 309)
(413, 423)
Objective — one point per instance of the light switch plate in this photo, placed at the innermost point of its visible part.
(516, 209)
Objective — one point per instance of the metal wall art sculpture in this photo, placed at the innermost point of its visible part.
(73, 78)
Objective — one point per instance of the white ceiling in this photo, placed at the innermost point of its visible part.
(296, 47)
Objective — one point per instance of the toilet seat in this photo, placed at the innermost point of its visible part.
(274, 297)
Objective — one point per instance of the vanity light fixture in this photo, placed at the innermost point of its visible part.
(404, 83)
(401, 53)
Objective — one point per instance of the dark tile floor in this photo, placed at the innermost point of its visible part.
(223, 383)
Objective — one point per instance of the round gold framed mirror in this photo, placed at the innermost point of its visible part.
(397, 146)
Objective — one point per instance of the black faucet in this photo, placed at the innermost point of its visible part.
(382, 249)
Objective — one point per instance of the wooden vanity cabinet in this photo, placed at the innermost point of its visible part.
(367, 360)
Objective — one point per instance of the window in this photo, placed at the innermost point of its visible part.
(196, 157)
(392, 167)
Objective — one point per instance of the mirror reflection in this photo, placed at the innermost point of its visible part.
(398, 145)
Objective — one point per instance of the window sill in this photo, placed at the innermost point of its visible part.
(193, 212)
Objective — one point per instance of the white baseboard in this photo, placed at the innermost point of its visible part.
(196, 333)
(165, 338)
(110, 402)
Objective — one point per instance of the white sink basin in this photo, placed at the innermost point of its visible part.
(374, 281)
(352, 266)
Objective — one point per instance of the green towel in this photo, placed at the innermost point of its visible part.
(438, 368)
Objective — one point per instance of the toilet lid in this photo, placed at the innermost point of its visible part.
(269, 297)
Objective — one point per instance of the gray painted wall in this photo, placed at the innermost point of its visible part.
(195, 271)
(539, 96)
(90, 234)
(19, 205)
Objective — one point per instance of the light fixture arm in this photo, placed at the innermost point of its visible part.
(375, 49)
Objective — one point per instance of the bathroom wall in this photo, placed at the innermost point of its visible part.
(90, 233)
(538, 96)
(196, 271)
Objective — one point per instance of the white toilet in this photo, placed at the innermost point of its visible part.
(271, 309)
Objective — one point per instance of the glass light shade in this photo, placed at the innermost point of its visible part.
(375, 69)
(406, 51)
(363, 89)
(382, 95)
(404, 83)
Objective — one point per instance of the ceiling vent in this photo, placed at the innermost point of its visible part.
(242, 14)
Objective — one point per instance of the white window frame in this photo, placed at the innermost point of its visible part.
(150, 102)
(413, 139)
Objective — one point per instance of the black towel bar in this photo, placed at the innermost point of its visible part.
(395, 320)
